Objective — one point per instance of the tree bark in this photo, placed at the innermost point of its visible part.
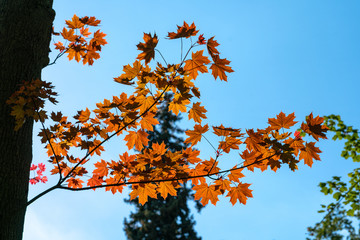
(25, 33)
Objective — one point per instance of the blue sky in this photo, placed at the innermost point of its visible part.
(290, 56)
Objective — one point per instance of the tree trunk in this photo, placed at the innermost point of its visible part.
(25, 33)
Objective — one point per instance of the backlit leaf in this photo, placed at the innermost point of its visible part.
(309, 153)
(196, 64)
(241, 193)
(219, 67)
(197, 112)
(147, 48)
(196, 134)
(282, 121)
(206, 193)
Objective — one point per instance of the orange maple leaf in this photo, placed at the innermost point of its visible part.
(85, 32)
(113, 189)
(229, 143)
(139, 139)
(196, 63)
(90, 56)
(315, 127)
(130, 72)
(91, 21)
(197, 112)
(296, 144)
(191, 155)
(309, 153)
(178, 105)
(282, 121)
(197, 171)
(96, 144)
(185, 31)
(241, 193)
(196, 134)
(75, 183)
(165, 188)
(146, 103)
(74, 23)
(69, 35)
(223, 185)
(76, 51)
(211, 47)
(254, 140)
(143, 191)
(83, 116)
(147, 48)
(206, 193)
(235, 174)
(148, 121)
(252, 160)
(56, 148)
(219, 68)
(127, 159)
(95, 181)
(59, 46)
(222, 131)
(98, 39)
(101, 168)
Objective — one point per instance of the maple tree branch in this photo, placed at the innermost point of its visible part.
(134, 120)
(112, 135)
(165, 180)
(57, 57)
(42, 194)
(47, 137)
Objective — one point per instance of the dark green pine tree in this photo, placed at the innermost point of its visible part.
(170, 218)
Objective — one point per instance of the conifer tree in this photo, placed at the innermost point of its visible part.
(158, 218)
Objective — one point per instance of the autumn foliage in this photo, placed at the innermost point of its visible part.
(157, 169)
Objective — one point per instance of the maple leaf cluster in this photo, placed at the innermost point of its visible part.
(29, 101)
(39, 174)
(157, 170)
(80, 45)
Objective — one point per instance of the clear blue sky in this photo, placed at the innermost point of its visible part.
(290, 56)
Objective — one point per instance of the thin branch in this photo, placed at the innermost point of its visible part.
(209, 142)
(42, 194)
(161, 56)
(181, 53)
(57, 57)
(47, 137)
(340, 199)
(164, 180)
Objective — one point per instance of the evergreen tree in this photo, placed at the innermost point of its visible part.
(170, 218)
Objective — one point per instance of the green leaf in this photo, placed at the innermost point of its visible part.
(337, 196)
(343, 189)
(350, 212)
